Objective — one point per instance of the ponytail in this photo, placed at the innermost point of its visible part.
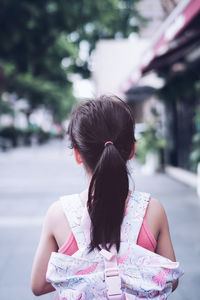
(107, 194)
(91, 125)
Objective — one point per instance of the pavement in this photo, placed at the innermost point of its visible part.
(32, 178)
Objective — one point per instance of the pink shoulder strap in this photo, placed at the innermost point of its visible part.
(112, 276)
(74, 210)
(134, 215)
(80, 223)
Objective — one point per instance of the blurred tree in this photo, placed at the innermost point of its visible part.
(40, 44)
(195, 153)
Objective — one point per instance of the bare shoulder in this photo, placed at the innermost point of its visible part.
(56, 219)
(156, 209)
(155, 216)
(54, 211)
(158, 223)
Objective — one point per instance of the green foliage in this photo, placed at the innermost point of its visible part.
(5, 108)
(38, 35)
(195, 154)
(141, 151)
(197, 88)
(56, 97)
(149, 142)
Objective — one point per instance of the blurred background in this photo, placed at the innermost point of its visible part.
(54, 54)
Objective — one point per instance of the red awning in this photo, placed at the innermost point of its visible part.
(171, 29)
(170, 41)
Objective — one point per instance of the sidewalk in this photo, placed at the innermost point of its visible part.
(32, 178)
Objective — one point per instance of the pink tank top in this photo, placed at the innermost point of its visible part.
(145, 240)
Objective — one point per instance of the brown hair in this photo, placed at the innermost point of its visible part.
(92, 124)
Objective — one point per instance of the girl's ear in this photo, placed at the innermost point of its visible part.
(133, 150)
(78, 157)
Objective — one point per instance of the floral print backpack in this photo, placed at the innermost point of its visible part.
(133, 273)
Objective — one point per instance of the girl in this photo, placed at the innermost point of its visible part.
(101, 133)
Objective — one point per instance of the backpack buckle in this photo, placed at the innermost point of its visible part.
(113, 283)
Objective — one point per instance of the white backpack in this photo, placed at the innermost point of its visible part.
(133, 273)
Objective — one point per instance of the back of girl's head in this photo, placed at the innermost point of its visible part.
(92, 124)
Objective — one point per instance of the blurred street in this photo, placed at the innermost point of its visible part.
(32, 178)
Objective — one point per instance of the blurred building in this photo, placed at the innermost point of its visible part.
(114, 60)
(169, 5)
(174, 56)
(111, 63)
(164, 61)
(154, 13)
(141, 97)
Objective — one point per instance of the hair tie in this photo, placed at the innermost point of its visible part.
(107, 143)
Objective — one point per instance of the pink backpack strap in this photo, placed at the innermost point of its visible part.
(73, 209)
(134, 215)
(112, 276)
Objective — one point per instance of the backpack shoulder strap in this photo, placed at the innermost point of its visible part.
(134, 215)
(73, 209)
